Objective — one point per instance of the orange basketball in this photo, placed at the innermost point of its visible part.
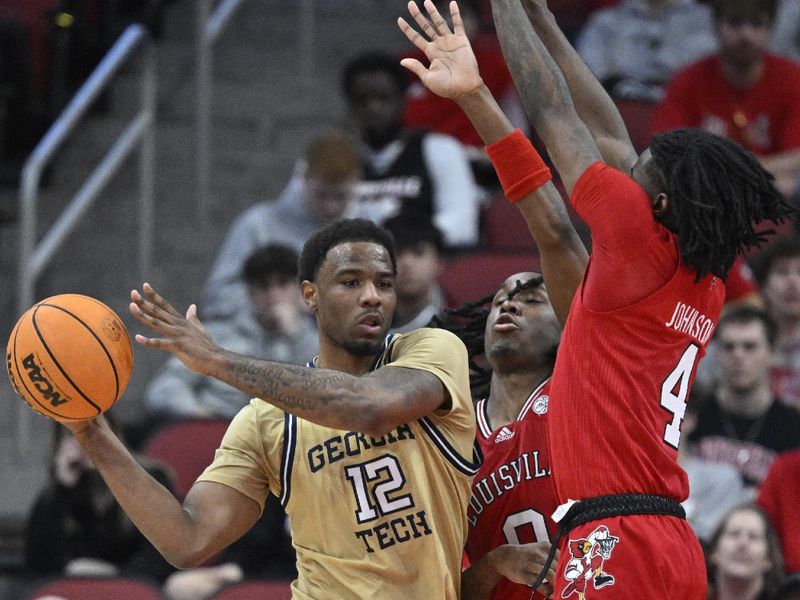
(69, 357)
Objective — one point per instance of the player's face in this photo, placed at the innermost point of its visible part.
(782, 288)
(522, 326)
(745, 355)
(742, 549)
(353, 297)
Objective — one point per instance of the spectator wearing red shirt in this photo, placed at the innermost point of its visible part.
(779, 496)
(742, 92)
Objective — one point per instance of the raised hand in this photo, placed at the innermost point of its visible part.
(185, 337)
(453, 70)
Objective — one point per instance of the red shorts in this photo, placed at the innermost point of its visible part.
(631, 557)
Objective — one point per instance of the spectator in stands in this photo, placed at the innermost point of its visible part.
(779, 496)
(76, 527)
(264, 552)
(714, 487)
(786, 32)
(406, 171)
(318, 193)
(789, 590)
(778, 270)
(742, 423)
(419, 245)
(744, 557)
(276, 326)
(636, 47)
(23, 119)
(742, 92)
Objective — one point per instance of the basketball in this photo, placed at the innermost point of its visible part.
(69, 357)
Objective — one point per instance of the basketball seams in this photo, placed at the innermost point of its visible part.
(124, 331)
(55, 360)
(99, 341)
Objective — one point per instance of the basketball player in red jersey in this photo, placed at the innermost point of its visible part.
(666, 228)
(512, 494)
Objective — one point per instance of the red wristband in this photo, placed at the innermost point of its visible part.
(520, 168)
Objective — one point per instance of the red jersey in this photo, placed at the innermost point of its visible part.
(622, 376)
(762, 117)
(779, 496)
(512, 493)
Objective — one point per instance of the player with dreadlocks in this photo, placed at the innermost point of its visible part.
(666, 226)
(512, 349)
(512, 494)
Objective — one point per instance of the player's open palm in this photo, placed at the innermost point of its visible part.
(453, 70)
(185, 337)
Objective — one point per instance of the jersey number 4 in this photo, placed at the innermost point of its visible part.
(674, 391)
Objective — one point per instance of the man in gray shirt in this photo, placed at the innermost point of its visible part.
(634, 48)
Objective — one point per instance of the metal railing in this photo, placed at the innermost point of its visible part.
(140, 131)
(209, 27)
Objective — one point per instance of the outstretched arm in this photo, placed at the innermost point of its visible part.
(548, 101)
(594, 105)
(211, 518)
(453, 73)
(372, 404)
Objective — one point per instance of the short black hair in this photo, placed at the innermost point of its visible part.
(340, 232)
(370, 62)
(409, 231)
(744, 315)
(743, 9)
(787, 246)
(718, 192)
(268, 262)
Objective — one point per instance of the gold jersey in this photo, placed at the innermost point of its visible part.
(370, 517)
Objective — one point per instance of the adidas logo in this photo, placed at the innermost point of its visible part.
(504, 435)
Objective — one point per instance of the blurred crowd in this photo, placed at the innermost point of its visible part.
(411, 161)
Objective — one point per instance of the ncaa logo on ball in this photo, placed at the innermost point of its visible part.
(41, 383)
(112, 329)
(540, 405)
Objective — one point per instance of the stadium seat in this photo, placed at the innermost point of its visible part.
(637, 116)
(186, 448)
(96, 588)
(255, 590)
(504, 228)
(479, 274)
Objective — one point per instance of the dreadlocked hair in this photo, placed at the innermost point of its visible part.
(718, 193)
(468, 322)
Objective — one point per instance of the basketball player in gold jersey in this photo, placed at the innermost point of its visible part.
(369, 448)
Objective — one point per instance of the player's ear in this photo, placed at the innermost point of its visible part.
(663, 212)
(309, 292)
(660, 205)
